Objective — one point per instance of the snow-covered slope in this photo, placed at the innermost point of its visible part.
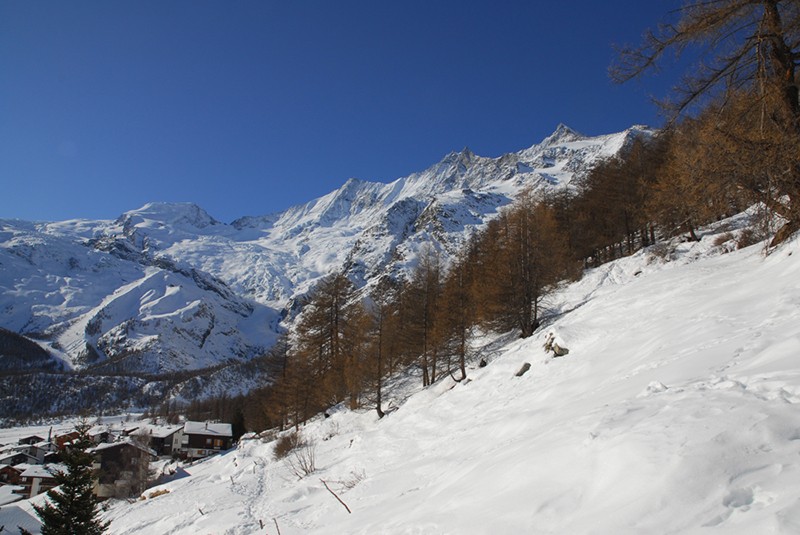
(110, 313)
(167, 288)
(675, 411)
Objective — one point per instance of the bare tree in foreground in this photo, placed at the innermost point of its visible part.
(747, 46)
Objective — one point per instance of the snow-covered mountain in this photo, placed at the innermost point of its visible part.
(167, 288)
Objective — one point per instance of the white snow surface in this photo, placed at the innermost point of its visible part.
(675, 411)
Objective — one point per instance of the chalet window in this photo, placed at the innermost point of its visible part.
(218, 442)
(208, 442)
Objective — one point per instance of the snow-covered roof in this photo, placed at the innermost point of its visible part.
(207, 428)
(13, 515)
(21, 467)
(9, 494)
(124, 442)
(161, 431)
(6, 459)
(42, 470)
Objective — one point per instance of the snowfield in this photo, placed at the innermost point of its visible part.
(675, 411)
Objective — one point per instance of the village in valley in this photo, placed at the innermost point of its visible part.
(129, 456)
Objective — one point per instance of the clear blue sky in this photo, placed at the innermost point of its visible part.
(249, 107)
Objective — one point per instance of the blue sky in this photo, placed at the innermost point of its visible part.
(249, 107)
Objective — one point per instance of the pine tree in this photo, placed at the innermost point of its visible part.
(72, 508)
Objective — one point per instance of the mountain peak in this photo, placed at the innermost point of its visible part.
(562, 134)
(465, 155)
(173, 213)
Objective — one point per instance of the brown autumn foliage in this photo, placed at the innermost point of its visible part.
(523, 254)
(748, 60)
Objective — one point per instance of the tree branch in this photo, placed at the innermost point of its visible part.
(335, 496)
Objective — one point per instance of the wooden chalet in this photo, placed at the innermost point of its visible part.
(201, 439)
(38, 478)
(66, 439)
(17, 457)
(10, 475)
(121, 467)
(164, 439)
(30, 440)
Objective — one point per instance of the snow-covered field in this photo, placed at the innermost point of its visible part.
(676, 411)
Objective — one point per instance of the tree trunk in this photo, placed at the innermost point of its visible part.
(692, 233)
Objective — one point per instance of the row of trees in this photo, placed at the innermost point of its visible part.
(745, 92)
(733, 139)
(345, 343)
(678, 180)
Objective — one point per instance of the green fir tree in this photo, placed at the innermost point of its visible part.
(72, 508)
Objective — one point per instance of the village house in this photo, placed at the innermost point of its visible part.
(65, 439)
(201, 439)
(100, 434)
(16, 457)
(38, 478)
(30, 440)
(162, 438)
(122, 467)
(41, 449)
(10, 475)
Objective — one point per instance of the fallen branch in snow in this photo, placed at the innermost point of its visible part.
(335, 496)
(276, 525)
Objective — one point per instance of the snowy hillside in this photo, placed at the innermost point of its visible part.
(103, 311)
(675, 411)
(167, 288)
